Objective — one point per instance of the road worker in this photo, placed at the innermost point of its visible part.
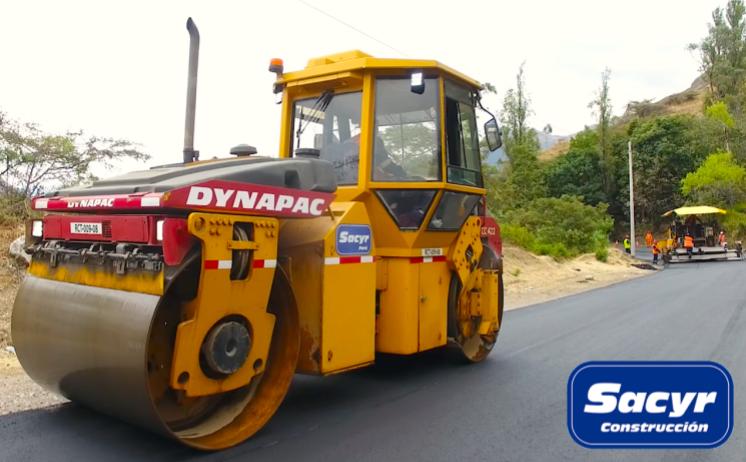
(649, 239)
(656, 252)
(689, 244)
(722, 240)
(627, 244)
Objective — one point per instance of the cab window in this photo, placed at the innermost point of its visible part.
(462, 137)
(331, 124)
(406, 144)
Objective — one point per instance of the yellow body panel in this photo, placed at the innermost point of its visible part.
(336, 300)
(398, 323)
(413, 307)
(487, 298)
(348, 317)
(433, 304)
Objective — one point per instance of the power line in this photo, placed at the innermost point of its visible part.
(346, 24)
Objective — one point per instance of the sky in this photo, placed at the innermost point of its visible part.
(118, 69)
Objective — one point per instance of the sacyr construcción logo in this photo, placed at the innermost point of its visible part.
(650, 404)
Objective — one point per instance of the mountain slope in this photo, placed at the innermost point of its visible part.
(690, 101)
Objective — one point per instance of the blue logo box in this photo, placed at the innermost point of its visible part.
(650, 404)
(354, 239)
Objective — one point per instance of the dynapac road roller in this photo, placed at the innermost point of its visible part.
(183, 298)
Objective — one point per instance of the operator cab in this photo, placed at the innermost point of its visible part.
(401, 135)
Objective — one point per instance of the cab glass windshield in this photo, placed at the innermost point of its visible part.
(406, 144)
(331, 124)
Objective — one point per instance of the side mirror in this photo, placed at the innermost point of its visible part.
(493, 135)
(417, 83)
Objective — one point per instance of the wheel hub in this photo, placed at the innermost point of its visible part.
(226, 347)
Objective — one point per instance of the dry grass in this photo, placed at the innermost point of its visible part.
(559, 149)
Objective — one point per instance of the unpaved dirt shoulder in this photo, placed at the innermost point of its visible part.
(531, 279)
(17, 391)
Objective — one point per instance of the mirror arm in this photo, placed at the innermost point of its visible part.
(479, 103)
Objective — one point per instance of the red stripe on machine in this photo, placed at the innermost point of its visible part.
(264, 264)
(228, 264)
(218, 264)
(348, 260)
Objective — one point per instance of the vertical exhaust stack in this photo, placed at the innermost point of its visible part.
(190, 155)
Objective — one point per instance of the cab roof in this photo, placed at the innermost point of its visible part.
(354, 60)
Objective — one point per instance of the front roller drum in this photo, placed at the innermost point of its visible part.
(110, 350)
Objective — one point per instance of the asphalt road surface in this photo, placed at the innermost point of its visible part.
(511, 407)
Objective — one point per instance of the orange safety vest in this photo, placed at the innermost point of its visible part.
(656, 250)
(688, 242)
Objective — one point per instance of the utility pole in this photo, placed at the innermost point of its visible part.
(631, 201)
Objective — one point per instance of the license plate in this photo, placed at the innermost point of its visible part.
(85, 228)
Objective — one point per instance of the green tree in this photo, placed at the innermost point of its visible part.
(515, 114)
(665, 149)
(601, 107)
(578, 172)
(719, 181)
(32, 161)
(521, 143)
(723, 50)
(718, 112)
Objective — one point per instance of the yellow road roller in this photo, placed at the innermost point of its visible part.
(185, 297)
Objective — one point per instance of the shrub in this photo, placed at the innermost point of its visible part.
(559, 227)
(602, 254)
(517, 235)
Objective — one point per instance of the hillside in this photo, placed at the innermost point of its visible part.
(690, 101)
(547, 142)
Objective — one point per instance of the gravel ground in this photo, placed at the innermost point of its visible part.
(17, 391)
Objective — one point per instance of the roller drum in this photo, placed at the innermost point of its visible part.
(89, 344)
(111, 350)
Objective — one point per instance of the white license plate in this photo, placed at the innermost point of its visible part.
(85, 228)
(432, 252)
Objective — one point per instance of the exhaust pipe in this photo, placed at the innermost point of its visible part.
(190, 155)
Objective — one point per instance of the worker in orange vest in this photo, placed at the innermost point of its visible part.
(649, 239)
(689, 244)
(656, 252)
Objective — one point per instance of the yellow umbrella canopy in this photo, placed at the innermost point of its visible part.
(695, 210)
